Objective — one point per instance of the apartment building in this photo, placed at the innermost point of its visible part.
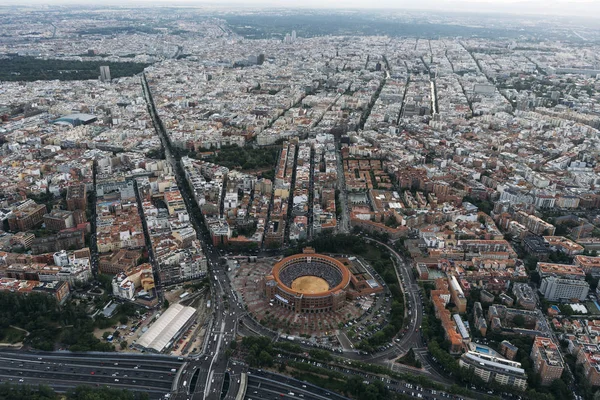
(500, 370)
(547, 360)
(77, 197)
(26, 218)
(554, 289)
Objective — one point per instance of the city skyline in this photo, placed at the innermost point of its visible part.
(375, 203)
(579, 8)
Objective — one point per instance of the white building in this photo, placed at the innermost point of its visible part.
(554, 288)
(489, 368)
(61, 258)
(167, 328)
(123, 287)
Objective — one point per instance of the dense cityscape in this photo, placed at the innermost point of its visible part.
(212, 203)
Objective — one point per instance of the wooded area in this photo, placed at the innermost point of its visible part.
(50, 324)
(18, 68)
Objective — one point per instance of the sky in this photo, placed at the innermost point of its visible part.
(543, 7)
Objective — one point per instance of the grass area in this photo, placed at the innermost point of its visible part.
(592, 309)
(11, 335)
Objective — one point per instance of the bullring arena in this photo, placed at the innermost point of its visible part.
(308, 283)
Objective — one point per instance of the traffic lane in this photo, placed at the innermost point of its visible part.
(73, 380)
(125, 357)
(60, 363)
(86, 373)
(235, 373)
(61, 387)
(398, 386)
(281, 386)
(268, 390)
(135, 366)
(89, 375)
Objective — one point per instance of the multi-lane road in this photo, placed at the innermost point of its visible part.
(267, 385)
(153, 374)
(410, 337)
(204, 375)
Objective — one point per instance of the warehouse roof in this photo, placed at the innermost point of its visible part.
(166, 327)
(76, 119)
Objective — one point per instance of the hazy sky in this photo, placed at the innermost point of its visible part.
(589, 8)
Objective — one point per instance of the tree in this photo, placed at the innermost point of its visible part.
(265, 358)
(531, 262)
(519, 321)
(105, 335)
(123, 320)
(535, 277)
(123, 344)
(166, 304)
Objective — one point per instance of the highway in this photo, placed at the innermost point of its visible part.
(267, 385)
(62, 370)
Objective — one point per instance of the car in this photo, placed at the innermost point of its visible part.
(116, 380)
(92, 373)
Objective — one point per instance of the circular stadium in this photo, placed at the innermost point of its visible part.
(308, 282)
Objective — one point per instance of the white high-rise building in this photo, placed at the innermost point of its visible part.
(104, 73)
(554, 288)
(61, 258)
(293, 36)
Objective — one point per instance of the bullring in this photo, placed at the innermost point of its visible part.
(282, 287)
